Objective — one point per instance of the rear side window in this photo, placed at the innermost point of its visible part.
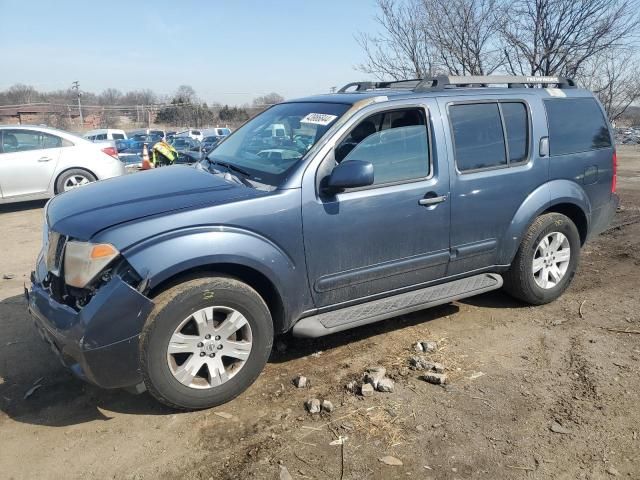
(478, 136)
(576, 125)
(117, 136)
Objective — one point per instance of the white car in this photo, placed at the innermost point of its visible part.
(39, 162)
(105, 134)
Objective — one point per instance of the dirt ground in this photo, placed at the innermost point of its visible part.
(514, 372)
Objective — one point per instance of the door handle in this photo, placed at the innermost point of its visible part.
(428, 201)
(45, 159)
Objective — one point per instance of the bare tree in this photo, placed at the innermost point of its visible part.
(615, 78)
(402, 50)
(20, 93)
(464, 34)
(185, 94)
(558, 37)
(110, 96)
(268, 99)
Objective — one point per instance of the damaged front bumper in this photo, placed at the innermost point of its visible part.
(99, 342)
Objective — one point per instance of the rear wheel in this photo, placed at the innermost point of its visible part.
(546, 260)
(74, 178)
(205, 342)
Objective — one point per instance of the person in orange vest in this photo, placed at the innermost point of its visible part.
(163, 154)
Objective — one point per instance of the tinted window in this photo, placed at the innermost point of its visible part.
(117, 136)
(477, 136)
(398, 152)
(576, 125)
(516, 123)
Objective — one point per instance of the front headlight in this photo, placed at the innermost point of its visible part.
(84, 261)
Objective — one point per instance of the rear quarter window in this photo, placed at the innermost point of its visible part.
(576, 125)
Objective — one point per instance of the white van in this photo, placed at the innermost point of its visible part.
(105, 134)
(195, 134)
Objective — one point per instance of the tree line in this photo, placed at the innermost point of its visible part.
(181, 109)
(592, 41)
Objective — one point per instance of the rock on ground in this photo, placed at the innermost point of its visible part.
(374, 374)
(435, 378)
(429, 346)
(300, 381)
(313, 405)
(418, 363)
(327, 406)
(389, 460)
(385, 385)
(366, 389)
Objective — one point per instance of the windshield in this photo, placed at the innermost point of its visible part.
(271, 144)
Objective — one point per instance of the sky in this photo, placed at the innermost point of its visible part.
(229, 51)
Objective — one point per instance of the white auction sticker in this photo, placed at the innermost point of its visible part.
(319, 119)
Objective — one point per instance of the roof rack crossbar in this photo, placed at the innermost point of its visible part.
(360, 86)
(447, 81)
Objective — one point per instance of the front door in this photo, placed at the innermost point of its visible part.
(28, 160)
(391, 235)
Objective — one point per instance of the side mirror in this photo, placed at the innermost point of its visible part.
(350, 174)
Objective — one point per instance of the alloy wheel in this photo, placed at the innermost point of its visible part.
(209, 347)
(551, 260)
(75, 181)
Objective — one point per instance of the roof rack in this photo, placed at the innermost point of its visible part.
(446, 81)
(401, 84)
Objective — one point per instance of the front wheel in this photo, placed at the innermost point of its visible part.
(205, 342)
(546, 260)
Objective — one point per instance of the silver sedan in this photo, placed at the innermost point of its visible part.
(39, 162)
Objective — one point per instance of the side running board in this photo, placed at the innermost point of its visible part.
(370, 312)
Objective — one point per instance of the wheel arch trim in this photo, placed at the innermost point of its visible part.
(553, 196)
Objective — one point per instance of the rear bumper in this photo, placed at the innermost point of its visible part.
(601, 218)
(99, 343)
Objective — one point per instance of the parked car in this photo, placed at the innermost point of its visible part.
(148, 131)
(189, 150)
(195, 134)
(38, 162)
(217, 132)
(105, 134)
(405, 198)
(210, 142)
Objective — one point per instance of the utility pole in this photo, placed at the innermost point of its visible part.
(76, 86)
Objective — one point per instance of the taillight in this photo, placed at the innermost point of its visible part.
(614, 178)
(111, 151)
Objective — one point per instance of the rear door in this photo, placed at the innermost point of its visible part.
(495, 167)
(28, 160)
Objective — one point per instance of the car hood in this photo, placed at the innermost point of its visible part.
(85, 211)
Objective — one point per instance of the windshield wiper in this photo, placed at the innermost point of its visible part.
(229, 166)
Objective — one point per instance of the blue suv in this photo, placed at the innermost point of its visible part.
(320, 215)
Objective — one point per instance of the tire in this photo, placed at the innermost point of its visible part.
(521, 282)
(224, 299)
(78, 176)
